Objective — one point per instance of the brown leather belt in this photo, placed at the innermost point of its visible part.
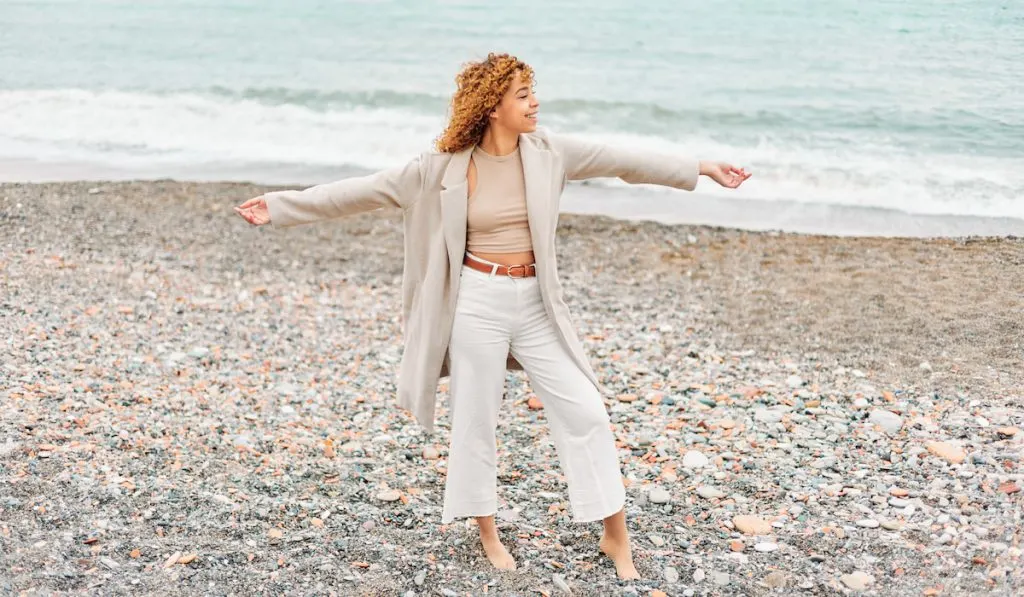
(512, 271)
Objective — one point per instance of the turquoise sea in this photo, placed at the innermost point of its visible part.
(869, 107)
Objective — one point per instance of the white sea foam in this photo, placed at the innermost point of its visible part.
(179, 131)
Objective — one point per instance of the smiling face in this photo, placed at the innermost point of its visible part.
(492, 93)
(517, 110)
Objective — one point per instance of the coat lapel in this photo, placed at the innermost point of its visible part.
(453, 208)
(537, 177)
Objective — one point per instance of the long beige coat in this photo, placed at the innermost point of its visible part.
(431, 189)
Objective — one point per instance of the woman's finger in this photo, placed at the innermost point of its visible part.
(251, 202)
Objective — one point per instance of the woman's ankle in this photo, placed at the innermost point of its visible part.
(487, 526)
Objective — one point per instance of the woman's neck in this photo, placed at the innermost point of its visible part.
(499, 142)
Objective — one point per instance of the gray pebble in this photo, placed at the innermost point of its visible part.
(199, 352)
(857, 580)
(710, 493)
(776, 579)
(560, 584)
(765, 415)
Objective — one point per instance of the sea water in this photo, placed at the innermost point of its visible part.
(853, 115)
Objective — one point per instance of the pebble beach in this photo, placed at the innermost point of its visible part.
(190, 405)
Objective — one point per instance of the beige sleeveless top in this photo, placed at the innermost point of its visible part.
(496, 215)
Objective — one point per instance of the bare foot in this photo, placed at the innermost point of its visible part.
(496, 553)
(620, 553)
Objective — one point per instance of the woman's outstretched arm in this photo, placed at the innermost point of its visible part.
(588, 159)
(399, 186)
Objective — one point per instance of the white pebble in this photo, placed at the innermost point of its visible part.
(694, 459)
(389, 495)
(889, 421)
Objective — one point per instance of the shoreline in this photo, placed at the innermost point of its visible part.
(623, 202)
(770, 264)
(789, 217)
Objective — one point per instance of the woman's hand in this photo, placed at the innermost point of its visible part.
(254, 211)
(724, 173)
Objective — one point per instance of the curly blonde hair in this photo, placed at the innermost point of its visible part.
(481, 86)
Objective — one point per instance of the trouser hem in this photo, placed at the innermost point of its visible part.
(470, 510)
(595, 514)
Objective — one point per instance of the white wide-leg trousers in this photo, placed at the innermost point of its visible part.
(496, 315)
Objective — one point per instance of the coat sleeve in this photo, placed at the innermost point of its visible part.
(589, 159)
(399, 186)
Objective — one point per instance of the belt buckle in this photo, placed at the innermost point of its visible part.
(508, 271)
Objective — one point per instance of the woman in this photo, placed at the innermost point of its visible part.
(480, 288)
